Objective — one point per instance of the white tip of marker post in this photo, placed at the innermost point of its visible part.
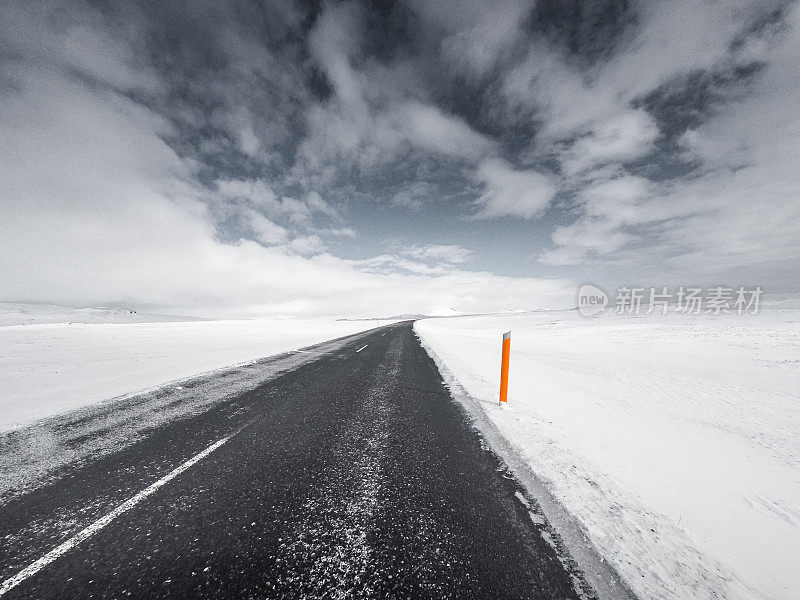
(506, 335)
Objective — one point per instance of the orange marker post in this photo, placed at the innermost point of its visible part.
(504, 368)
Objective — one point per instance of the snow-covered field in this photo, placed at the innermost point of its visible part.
(674, 441)
(48, 368)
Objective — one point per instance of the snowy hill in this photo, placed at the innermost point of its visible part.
(16, 313)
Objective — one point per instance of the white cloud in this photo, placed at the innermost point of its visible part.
(79, 43)
(264, 230)
(611, 208)
(255, 191)
(344, 232)
(511, 193)
(437, 252)
(388, 264)
(255, 200)
(414, 195)
(377, 113)
(671, 39)
(259, 195)
(427, 127)
(480, 32)
(307, 245)
(581, 241)
(316, 203)
(737, 217)
(624, 137)
(333, 41)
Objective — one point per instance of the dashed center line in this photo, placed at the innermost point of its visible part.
(362, 347)
(100, 523)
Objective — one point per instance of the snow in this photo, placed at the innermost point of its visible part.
(33, 456)
(673, 441)
(49, 368)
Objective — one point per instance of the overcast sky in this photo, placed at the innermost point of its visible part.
(374, 158)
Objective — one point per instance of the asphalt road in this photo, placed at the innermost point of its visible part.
(354, 475)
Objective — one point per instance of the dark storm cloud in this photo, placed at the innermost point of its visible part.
(251, 92)
(590, 30)
(253, 88)
(237, 77)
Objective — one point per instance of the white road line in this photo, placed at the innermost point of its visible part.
(57, 552)
(362, 347)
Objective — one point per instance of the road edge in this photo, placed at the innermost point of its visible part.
(604, 579)
(78, 437)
